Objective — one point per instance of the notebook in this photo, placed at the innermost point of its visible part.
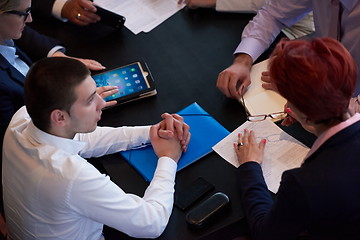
(205, 133)
(259, 100)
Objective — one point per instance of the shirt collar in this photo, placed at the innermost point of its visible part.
(331, 132)
(8, 50)
(69, 145)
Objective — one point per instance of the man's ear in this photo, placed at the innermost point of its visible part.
(58, 117)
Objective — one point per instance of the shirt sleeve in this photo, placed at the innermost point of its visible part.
(95, 196)
(107, 140)
(56, 49)
(267, 24)
(56, 9)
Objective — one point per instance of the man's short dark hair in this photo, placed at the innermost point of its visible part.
(49, 85)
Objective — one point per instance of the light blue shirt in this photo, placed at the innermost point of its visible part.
(8, 51)
(277, 14)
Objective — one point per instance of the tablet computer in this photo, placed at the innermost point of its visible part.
(134, 81)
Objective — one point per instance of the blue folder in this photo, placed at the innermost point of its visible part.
(205, 133)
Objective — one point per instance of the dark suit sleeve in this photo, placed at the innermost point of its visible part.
(34, 44)
(42, 8)
(283, 218)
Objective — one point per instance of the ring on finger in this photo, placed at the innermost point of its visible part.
(240, 144)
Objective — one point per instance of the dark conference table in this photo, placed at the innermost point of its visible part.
(184, 54)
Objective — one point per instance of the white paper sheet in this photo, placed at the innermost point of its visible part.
(282, 151)
(142, 15)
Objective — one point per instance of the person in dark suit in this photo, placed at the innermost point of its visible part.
(318, 200)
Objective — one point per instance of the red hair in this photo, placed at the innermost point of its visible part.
(318, 76)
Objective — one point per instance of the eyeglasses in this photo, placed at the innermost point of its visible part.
(19, 13)
(256, 118)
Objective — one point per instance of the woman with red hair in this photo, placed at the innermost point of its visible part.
(320, 198)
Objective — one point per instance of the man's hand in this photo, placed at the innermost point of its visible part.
(198, 3)
(173, 124)
(165, 147)
(234, 80)
(80, 12)
(106, 91)
(247, 150)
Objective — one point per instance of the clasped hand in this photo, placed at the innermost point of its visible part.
(170, 137)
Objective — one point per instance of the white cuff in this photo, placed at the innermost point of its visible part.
(55, 49)
(166, 167)
(56, 10)
(250, 46)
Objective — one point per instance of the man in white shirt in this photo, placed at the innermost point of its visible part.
(304, 27)
(51, 191)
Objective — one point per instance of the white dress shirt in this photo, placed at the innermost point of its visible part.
(277, 14)
(304, 27)
(52, 192)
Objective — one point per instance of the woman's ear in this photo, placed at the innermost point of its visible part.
(309, 125)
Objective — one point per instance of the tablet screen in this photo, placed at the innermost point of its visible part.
(129, 79)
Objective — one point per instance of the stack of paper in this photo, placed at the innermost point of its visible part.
(259, 100)
(282, 151)
(142, 15)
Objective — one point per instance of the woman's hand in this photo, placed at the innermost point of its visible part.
(247, 149)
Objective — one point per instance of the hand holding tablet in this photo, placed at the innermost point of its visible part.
(134, 81)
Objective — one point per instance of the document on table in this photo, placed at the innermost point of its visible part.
(282, 151)
(257, 99)
(142, 15)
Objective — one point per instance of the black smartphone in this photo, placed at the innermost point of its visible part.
(192, 193)
(110, 18)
